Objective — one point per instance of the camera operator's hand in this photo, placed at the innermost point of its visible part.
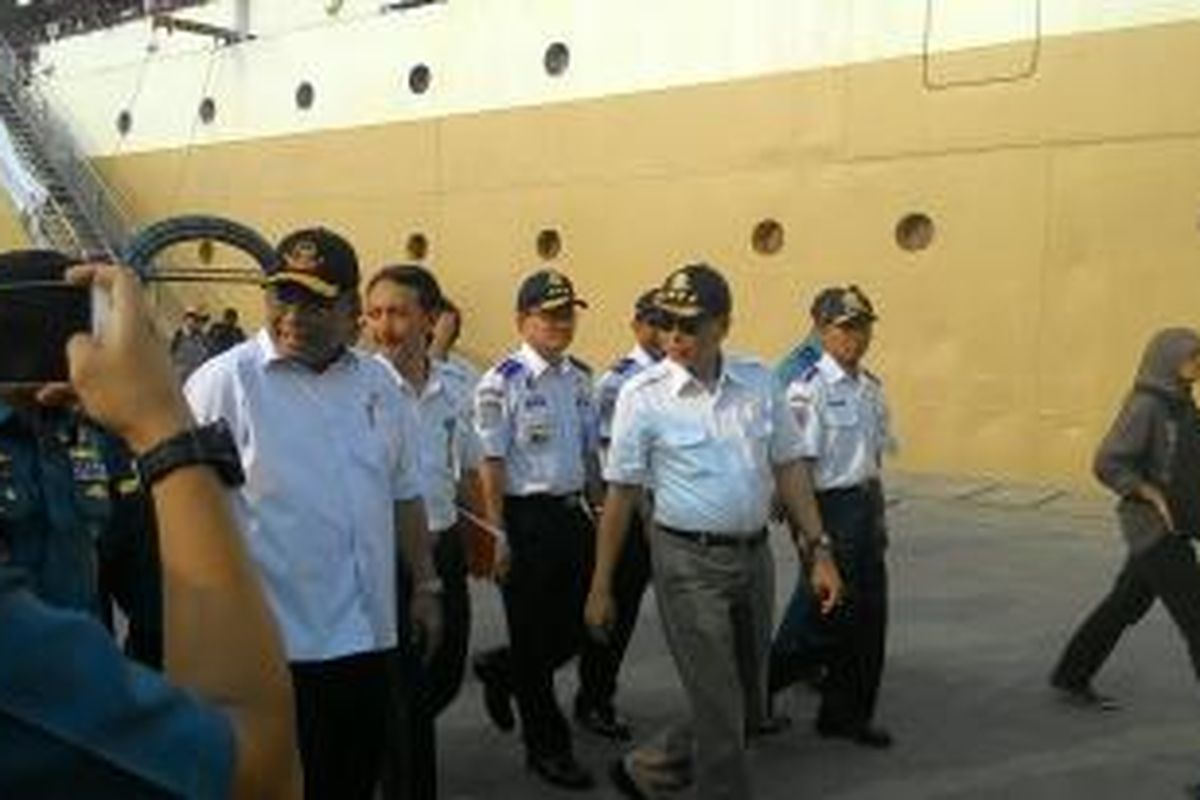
(124, 377)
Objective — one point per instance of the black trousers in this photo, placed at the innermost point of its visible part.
(342, 706)
(600, 662)
(1166, 571)
(857, 629)
(425, 690)
(549, 540)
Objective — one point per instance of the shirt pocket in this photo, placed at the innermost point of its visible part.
(689, 449)
(840, 412)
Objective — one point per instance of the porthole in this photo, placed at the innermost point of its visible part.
(915, 232)
(417, 246)
(549, 244)
(205, 251)
(767, 238)
(557, 59)
(419, 78)
(208, 110)
(305, 95)
(124, 122)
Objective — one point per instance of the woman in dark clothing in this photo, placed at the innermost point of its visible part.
(1151, 460)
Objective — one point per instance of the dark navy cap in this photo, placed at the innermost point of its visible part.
(318, 260)
(838, 304)
(693, 291)
(546, 290)
(646, 309)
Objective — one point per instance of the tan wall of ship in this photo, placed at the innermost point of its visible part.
(1066, 211)
(12, 233)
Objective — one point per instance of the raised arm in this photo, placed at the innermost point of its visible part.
(221, 641)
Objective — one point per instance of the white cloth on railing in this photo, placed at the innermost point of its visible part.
(26, 191)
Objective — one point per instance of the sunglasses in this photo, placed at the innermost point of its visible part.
(291, 294)
(688, 326)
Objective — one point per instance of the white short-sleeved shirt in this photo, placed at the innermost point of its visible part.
(707, 455)
(326, 456)
(538, 417)
(448, 444)
(844, 423)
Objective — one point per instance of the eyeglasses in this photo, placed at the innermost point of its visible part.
(688, 326)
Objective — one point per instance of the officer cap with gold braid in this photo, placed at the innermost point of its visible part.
(546, 290)
(837, 305)
(316, 259)
(693, 291)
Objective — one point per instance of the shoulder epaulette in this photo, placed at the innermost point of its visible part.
(580, 364)
(623, 366)
(510, 368)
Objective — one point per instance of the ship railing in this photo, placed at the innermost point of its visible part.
(99, 206)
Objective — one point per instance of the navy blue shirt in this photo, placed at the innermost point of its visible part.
(69, 494)
(77, 719)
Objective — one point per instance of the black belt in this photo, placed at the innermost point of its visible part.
(708, 539)
(845, 491)
(571, 498)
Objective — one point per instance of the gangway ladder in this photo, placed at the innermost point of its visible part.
(80, 215)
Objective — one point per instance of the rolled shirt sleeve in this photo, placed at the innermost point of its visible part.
(628, 460)
(468, 450)
(801, 401)
(787, 439)
(492, 418)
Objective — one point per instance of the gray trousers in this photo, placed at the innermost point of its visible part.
(716, 606)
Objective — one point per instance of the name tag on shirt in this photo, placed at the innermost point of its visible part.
(841, 412)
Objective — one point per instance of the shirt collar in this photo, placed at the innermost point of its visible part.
(682, 378)
(832, 371)
(639, 355)
(268, 353)
(538, 365)
(434, 381)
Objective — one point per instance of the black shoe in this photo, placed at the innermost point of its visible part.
(603, 721)
(497, 697)
(772, 725)
(622, 781)
(864, 735)
(1085, 697)
(560, 770)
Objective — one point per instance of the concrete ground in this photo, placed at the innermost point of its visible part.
(987, 581)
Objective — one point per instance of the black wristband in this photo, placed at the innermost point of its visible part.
(211, 445)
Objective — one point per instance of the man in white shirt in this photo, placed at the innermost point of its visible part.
(327, 442)
(843, 418)
(401, 306)
(535, 419)
(711, 436)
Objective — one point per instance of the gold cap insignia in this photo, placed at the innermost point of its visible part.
(679, 293)
(303, 257)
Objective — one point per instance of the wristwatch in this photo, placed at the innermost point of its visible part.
(822, 542)
(429, 586)
(211, 445)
